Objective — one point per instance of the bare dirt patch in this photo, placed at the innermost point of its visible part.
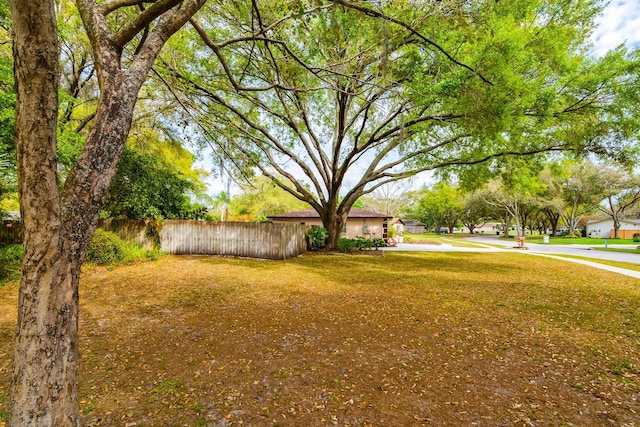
(401, 340)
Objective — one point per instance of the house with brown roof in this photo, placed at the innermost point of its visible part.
(359, 222)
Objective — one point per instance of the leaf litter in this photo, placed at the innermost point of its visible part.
(322, 340)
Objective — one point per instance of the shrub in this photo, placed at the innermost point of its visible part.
(105, 248)
(379, 242)
(363, 243)
(574, 235)
(360, 243)
(11, 253)
(636, 237)
(10, 262)
(346, 245)
(132, 252)
(318, 237)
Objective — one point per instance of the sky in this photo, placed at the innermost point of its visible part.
(618, 24)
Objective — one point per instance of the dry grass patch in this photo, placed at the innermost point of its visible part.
(407, 339)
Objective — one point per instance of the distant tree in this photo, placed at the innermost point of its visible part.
(442, 206)
(621, 192)
(582, 186)
(551, 201)
(261, 198)
(475, 211)
(391, 199)
(516, 190)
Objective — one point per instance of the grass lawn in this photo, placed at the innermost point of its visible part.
(581, 241)
(625, 265)
(438, 239)
(408, 339)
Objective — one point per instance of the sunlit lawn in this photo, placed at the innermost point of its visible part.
(580, 241)
(406, 339)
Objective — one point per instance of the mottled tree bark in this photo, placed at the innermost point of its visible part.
(43, 389)
(59, 224)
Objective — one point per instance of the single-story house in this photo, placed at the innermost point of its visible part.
(603, 228)
(398, 225)
(359, 222)
(487, 227)
(414, 227)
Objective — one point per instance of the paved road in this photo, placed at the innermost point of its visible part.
(488, 243)
(574, 250)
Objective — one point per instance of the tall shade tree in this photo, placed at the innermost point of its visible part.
(373, 92)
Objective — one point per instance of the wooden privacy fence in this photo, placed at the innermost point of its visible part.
(624, 234)
(244, 239)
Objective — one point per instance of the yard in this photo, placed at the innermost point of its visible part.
(437, 339)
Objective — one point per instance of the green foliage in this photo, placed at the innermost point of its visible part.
(105, 248)
(152, 231)
(636, 237)
(144, 188)
(7, 113)
(317, 237)
(346, 245)
(108, 248)
(379, 242)
(131, 252)
(10, 262)
(573, 235)
(360, 243)
(261, 198)
(443, 206)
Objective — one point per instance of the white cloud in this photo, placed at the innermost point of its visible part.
(619, 23)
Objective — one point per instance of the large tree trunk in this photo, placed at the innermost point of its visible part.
(43, 389)
(333, 222)
(58, 227)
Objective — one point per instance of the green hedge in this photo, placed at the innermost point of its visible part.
(105, 248)
(360, 243)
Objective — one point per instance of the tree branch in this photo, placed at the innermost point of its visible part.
(143, 20)
(376, 14)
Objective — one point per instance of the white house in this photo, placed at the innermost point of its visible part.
(603, 228)
(486, 228)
